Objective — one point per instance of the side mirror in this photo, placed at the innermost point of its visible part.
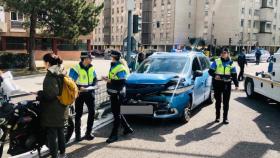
(197, 73)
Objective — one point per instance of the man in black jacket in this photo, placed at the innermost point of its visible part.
(241, 62)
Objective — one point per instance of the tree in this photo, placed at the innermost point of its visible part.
(67, 19)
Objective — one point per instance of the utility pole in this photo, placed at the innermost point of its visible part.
(130, 7)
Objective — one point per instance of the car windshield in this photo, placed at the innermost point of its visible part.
(164, 65)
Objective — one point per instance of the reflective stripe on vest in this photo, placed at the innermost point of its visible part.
(113, 73)
(85, 78)
(221, 70)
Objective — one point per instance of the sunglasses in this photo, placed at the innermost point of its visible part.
(224, 52)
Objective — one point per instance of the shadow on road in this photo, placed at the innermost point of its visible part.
(268, 123)
(86, 149)
(198, 134)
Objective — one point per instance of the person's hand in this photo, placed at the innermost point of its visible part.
(217, 77)
(82, 89)
(104, 78)
(108, 81)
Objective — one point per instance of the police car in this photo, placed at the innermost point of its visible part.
(169, 85)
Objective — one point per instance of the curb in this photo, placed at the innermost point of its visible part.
(29, 76)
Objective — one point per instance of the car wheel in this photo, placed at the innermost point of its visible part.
(249, 88)
(185, 118)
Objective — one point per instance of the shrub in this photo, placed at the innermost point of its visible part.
(10, 60)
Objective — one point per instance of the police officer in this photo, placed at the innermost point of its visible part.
(116, 90)
(223, 72)
(84, 75)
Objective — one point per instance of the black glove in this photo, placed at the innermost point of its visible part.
(39, 96)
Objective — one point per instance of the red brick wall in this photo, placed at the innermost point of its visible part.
(65, 55)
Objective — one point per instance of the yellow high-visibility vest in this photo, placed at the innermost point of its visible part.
(85, 78)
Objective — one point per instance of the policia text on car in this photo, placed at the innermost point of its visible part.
(84, 75)
(223, 72)
(116, 89)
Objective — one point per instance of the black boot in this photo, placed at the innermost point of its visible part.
(78, 137)
(112, 139)
(217, 118)
(89, 136)
(225, 121)
(128, 131)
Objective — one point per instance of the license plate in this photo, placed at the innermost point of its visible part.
(132, 109)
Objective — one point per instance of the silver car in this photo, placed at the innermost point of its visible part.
(251, 57)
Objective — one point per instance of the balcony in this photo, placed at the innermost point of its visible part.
(17, 25)
(3, 27)
(266, 14)
(264, 39)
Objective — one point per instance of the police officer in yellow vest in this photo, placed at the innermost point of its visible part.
(223, 72)
(116, 89)
(85, 76)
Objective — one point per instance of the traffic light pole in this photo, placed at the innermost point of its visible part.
(129, 35)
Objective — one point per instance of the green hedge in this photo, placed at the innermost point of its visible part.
(10, 60)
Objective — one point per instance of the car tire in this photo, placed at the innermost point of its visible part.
(249, 88)
(186, 116)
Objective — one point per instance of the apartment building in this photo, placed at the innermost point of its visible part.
(169, 24)
(14, 38)
(113, 21)
(246, 23)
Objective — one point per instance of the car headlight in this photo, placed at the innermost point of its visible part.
(179, 90)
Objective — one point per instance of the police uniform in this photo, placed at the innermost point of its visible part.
(116, 89)
(222, 87)
(84, 76)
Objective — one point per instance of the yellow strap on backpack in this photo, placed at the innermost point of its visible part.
(69, 91)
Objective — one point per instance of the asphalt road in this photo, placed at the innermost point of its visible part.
(253, 132)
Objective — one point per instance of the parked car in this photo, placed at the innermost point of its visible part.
(97, 53)
(251, 57)
(169, 85)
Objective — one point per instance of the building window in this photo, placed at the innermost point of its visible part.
(206, 13)
(155, 3)
(16, 16)
(250, 11)
(190, 2)
(161, 36)
(112, 11)
(190, 14)
(242, 22)
(189, 26)
(168, 2)
(254, 24)
(243, 11)
(249, 23)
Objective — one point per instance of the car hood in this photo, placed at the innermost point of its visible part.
(137, 78)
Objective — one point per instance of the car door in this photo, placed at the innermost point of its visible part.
(198, 82)
(205, 65)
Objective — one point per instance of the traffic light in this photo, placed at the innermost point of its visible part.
(137, 23)
(229, 41)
